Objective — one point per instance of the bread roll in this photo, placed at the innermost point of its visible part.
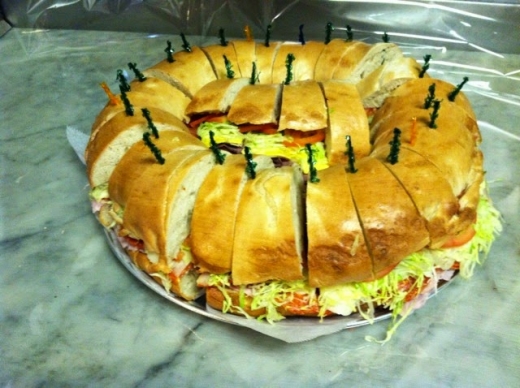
(387, 215)
(256, 104)
(216, 55)
(330, 58)
(442, 90)
(117, 135)
(265, 56)
(450, 146)
(139, 157)
(401, 106)
(430, 192)
(350, 60)
(245, 54)
(189, 72)
(166, 195)
(306, 65)
(303, 107)
(270, 219)
(379, 84)
(219, 196)
(353, 69)
(216, 96)
(151, 93)
(337, 252)
(279, 73)
(346, 117)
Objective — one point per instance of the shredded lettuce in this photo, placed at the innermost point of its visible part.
(263, 144)
(388, 291)
(269, 295)
(165, 280)
(223, 133)
(99, 193)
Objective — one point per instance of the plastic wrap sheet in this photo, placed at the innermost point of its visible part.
(4, 26)
(493, 67)
(488, 26)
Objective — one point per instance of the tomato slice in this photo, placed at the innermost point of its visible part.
(370, 111)
(137, 244)
(301, 304)
(461, 239)
(384, 271)
(411, 289)
(300, 138)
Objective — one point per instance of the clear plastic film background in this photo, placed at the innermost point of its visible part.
(474, 39)
(490, 26)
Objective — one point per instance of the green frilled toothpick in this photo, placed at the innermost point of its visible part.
(223, 41)
(328, 32)
(456, 91)
(151, 125)
(425, 66)
(255, 76)
(156, 151)
(169, 52)
(301, 37)
(289, 67)
(219, 155)
(123, 83)
(350, 154)
(267, 36)
(129, 109)
(313, 173)
(185, 45)
(251, 165)
(435, 114)
(140, 76)
(430, 97)
(229, 68)
(350, 34)
(386, 38)
(395, 146)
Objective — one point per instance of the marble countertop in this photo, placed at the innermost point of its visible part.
(72, 315)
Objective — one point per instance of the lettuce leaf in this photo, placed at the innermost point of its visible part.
(263, 144)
